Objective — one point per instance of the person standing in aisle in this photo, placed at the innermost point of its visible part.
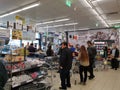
(65, 66)
(27, 46)
(3, 75)
(49, 51)
(31, 50)
(105, 50)
(115, 55)
(84, 63)
(91, 54)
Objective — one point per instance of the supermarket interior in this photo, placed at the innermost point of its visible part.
(59, 44)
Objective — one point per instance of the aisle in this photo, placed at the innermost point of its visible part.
(104, 80)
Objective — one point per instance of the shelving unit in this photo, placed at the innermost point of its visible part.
(24, 72)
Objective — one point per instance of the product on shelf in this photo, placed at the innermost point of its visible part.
(13, 58)
(20, 51)
(17, 80)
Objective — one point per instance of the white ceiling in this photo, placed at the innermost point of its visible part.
(56, 9)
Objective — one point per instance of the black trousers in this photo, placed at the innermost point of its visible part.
(83, 73)
(114, 63)
(90, 69)
(65, 78)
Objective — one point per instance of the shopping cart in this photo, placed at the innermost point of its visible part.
(101, 65)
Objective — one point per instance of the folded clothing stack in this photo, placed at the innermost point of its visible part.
(20, 79)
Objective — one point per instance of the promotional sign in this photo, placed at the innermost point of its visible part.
(4, 33)
(17, 34)
(28, 35)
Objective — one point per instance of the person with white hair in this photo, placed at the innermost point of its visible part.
(114, 56)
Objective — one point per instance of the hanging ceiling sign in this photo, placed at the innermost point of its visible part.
(68, 3)
(28, 35)
(4, 33)
(20, 18)
(17, 34)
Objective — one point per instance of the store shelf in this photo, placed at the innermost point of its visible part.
(19, 70)
(25, 82)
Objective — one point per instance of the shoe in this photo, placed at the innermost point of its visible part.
(115, 68)
(80, 83)
(61, 88)
(91, 77)
(69, 86)
(84, 83)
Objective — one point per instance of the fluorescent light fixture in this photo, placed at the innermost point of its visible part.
(58, 25)
(66, 19)
(53, 21)
(95, 12)
(114, 22)
(86, 3)
(68, 24)
(47, 22)
(84, 29)
(96, 0)
(21, 9)
(71, 24)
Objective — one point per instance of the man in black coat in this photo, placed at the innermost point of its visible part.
(92, 53)
(31, 50)
(3, 75)
(65, 66)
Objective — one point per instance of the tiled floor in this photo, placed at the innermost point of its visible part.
(104, 80)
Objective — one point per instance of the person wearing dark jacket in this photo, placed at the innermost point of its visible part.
(31, 50)
(49, 51)
(3, 76)
(92, 54)
(65, 66)
(115, 54)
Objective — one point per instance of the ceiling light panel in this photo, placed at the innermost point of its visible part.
(21, 9)
(54, 21)
(68, 24)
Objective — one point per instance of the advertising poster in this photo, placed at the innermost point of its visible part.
(17, 34)
(92, 35)
(79, 37)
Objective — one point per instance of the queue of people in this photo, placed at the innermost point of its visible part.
(87, 58)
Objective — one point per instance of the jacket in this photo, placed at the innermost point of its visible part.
(116, 53)
(3, 75)
(66, 59)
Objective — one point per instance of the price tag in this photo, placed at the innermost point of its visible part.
(16, 85)
(16, 70)
(29, 81)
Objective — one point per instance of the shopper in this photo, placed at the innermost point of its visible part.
(49, 51)
(105, 52)
(57, 49)
(31, 50)
(27, 46)
(65, 66)
(115, 55)
(84, 63)
(92, 55)
(3, 76)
